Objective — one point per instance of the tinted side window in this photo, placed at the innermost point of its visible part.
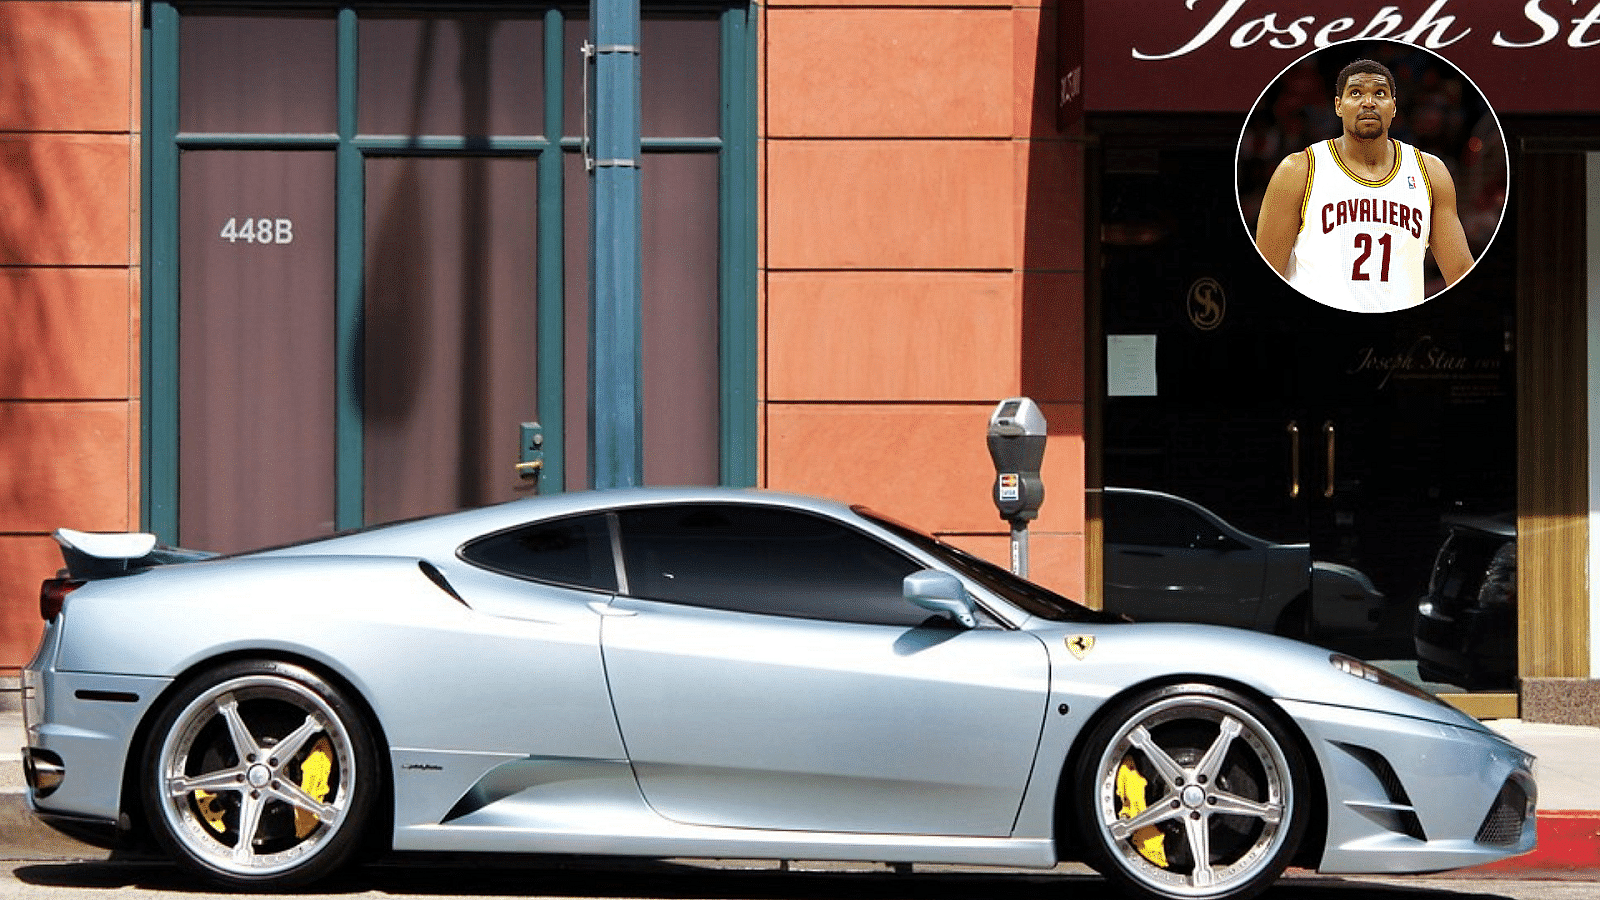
(1155, 522)
(572, 552)
(764, 560)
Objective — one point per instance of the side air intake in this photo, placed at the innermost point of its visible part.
(1394, 810)
(1502, 827)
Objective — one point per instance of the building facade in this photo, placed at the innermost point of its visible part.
(278, 269)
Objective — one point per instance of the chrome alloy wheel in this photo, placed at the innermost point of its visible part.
(256, 774)
(1195, 795)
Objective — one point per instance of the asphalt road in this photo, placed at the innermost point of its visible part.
(483, 879)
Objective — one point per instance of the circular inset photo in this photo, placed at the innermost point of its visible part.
(1372, 175)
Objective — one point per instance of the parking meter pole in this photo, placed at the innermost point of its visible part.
(1019, 549)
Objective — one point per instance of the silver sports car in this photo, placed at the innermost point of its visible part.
(719, 673)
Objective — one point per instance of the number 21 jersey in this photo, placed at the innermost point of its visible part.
(1361, 243)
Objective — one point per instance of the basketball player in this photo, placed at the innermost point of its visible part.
(1347, 221)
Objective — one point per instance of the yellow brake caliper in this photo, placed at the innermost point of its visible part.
(1149, 841)
(210, 810)
(314, 771)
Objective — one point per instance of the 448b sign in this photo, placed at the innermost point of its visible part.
(263, 230)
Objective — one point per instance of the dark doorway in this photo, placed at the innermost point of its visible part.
(1357, 436)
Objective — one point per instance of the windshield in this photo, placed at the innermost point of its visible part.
(1019, 592)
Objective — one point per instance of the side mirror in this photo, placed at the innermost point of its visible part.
(942, 593)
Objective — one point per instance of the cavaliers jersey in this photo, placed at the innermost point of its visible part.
(1361, 243)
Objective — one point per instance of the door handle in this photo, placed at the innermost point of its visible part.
(1294, 459)
(530, 453)
(1328, 435)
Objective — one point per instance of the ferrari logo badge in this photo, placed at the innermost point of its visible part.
(1080, 645)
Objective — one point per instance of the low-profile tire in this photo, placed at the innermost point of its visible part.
(1204, 774)
(259, 775)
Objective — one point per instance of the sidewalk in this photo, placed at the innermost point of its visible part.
(1569, 800)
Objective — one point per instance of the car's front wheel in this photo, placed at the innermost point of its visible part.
(1191, 792)
(260, 775)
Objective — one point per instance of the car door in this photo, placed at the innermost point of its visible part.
(767, 673)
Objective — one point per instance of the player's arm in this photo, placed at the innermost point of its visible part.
(1446, 238)
(1278, 225)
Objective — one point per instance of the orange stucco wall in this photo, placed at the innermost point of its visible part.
(922, 260)
(69, 287)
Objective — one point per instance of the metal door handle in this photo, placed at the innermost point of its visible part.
(1294, 460)
(1327, 432)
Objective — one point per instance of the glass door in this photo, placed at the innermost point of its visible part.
(1330, 455)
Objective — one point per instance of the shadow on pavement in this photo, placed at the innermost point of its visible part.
(457, 876)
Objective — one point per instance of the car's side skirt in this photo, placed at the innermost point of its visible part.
(669, 840)
(589, 806)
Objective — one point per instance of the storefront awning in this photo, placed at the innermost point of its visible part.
(1539, 56)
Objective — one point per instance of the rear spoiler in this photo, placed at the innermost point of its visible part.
(96, 555)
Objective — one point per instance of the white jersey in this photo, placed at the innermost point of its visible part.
(1361, 243)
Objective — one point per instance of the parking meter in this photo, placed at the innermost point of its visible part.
(1016, 445)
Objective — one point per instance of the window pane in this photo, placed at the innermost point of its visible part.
(682, 384)
(574, 552)
(465, 74)
(257, 74)
(680, 70)
(572, 72)
(680, 319)
(450, 331)
(1155, 522)
(575, 245)
(256, 350)
(763, 560)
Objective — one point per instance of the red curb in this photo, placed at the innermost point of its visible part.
(1569, 841)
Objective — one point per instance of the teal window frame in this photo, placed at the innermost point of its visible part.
(162, 144)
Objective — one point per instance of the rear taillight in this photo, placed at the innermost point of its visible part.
(1500, 580)
(53, 595)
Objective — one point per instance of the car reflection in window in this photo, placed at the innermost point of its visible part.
(1466, 625)
(1170, 559)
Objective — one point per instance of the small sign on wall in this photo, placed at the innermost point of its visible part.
(1130, 365)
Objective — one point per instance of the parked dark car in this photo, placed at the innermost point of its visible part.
(1466, 624)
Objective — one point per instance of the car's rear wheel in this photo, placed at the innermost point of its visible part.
(260, 775)
(1191, 792)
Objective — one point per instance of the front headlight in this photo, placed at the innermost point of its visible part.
(1368, 672)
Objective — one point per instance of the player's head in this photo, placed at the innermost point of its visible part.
(1362, 67)
(1365, 100)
